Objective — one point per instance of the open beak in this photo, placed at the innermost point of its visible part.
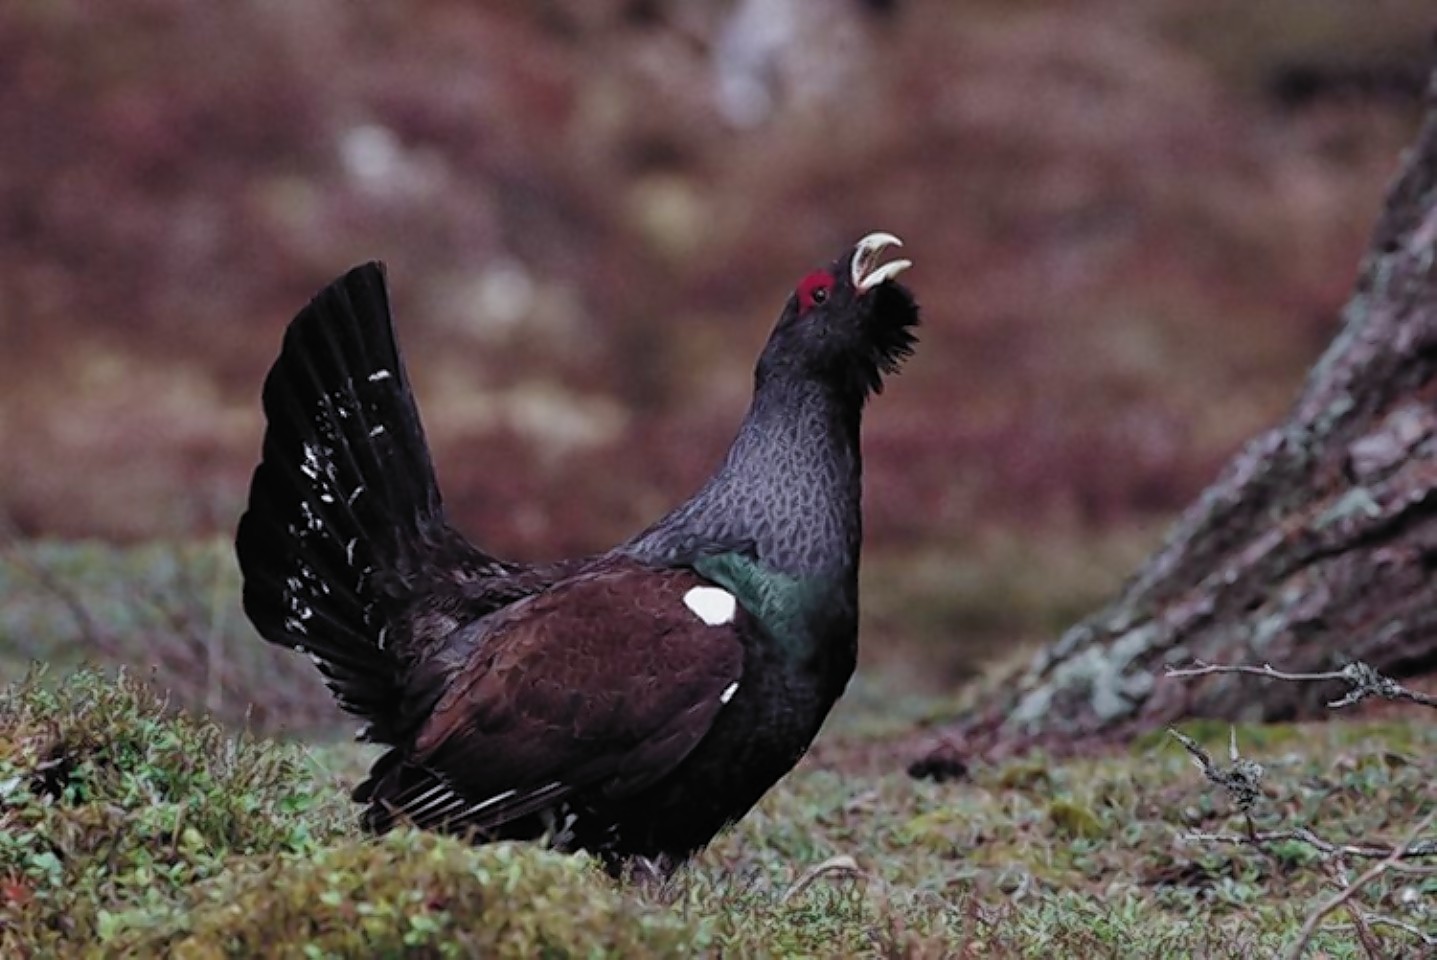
(867, 273)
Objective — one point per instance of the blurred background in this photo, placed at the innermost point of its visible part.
(1134, 224)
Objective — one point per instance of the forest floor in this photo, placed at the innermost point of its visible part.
(131, 826)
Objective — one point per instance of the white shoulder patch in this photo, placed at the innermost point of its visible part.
(713, 605)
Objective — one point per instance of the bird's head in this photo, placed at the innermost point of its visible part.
(848, 324)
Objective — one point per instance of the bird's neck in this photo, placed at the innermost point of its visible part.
(780, 524)
(788, 494)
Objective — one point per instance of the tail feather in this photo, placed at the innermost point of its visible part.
(344, 504)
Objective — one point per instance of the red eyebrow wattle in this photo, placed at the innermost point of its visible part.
(818, 280)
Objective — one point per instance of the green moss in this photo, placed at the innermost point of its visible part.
(1074, 820)
(407, 894)
(1030, 773)
(109, 801)
(936, 830)
(129, 830)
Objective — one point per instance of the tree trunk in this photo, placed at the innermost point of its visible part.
(1317, 544)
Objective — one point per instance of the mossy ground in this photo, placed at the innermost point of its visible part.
(130, 826)
(128, 829)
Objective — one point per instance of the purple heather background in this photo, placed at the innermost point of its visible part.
(1134, 223)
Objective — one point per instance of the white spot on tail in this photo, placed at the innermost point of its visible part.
(728, 692)
(379, 375)
(317, 462)
(312, 522)
(376, 431)
(713, 605)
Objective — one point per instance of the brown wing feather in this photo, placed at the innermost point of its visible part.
(601, 685)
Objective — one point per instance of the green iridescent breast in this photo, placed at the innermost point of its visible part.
(788, 606)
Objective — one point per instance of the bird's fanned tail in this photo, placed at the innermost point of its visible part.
(344, 506)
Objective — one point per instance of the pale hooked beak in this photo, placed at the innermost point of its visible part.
(866, 272)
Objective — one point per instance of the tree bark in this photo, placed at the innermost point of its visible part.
(1316, 545)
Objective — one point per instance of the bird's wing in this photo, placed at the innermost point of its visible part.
(600, 685)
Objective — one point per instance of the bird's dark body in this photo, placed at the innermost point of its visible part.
(727, 770)
(725, 776)
(630, 704)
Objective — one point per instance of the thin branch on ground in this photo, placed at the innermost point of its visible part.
(1378, 920)
(1416, 850)
(1350, 890)
(842, 865)
(1371, 945)
(1242, 778)
(1364, 680)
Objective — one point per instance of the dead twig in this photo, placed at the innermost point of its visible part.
(1345, 894)
(1378, 920)
(1364, 680)
(1242, 778)
(1416, 850)
(1370, 944)
(842, 865)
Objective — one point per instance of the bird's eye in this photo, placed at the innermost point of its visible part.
(814, 290)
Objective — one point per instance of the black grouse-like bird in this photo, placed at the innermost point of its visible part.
(631, 704)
